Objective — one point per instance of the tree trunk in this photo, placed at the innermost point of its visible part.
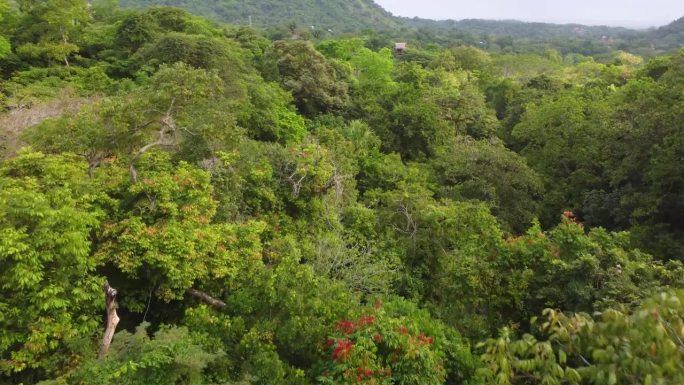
(112, 320)
(66, 41)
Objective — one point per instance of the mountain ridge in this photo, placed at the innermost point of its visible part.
(334, 17)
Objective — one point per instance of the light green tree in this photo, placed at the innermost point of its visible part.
(51, 295)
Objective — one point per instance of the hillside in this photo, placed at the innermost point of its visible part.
(521, 30)
(331, 17)
(671, 34)
(338, 16)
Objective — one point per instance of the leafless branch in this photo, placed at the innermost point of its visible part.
(165, 138)
(296, 183)
(206, 298)
(410, 228)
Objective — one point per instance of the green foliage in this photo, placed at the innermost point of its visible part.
(249, 199)
(613, 347)
(47, 26)
(50, 289)
(350, 16)
(486, 171)
(355, 262)
(195, 50)
(281, 315)
(178, 107)
(5, 47)
(563, 139)
(306, 73)
(166, 235)
(172, 355)
(611, 156)
(269, 116)
(514, 279)
(135, 31)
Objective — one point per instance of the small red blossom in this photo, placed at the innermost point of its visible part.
(330, 342)
(403, 330)
(366, 320)
(342, 350)
(377, 338)
(364, 372)
(424, 340)
(346, 326)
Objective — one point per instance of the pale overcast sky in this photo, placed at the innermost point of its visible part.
(632, 13)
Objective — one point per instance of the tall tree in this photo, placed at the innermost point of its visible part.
(306, 73)
(48, 27)
(5, 46)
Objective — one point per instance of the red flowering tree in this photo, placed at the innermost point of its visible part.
(380, 347)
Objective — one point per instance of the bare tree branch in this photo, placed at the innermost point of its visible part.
(296, 184)
(206, 298)
(166, 133)
(411, 228)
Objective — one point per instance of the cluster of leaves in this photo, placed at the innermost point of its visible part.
(643, 346)
(171, 355)
(250, 199)
(50, 287)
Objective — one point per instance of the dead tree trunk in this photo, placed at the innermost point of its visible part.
(65, 40)
(112, 319)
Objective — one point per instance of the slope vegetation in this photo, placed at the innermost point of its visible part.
(341, 16)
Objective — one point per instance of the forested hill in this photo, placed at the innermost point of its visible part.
(671, 34)
(335, 15)
(520, 29)
(325, 18)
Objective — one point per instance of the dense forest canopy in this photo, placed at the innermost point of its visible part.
(189, 202)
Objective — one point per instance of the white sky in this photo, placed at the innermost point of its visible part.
(630, 13)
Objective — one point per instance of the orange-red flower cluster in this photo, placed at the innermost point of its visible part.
(346, 326)
(424, 340)
(366, 320)
(362, 373)
(342, 349)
